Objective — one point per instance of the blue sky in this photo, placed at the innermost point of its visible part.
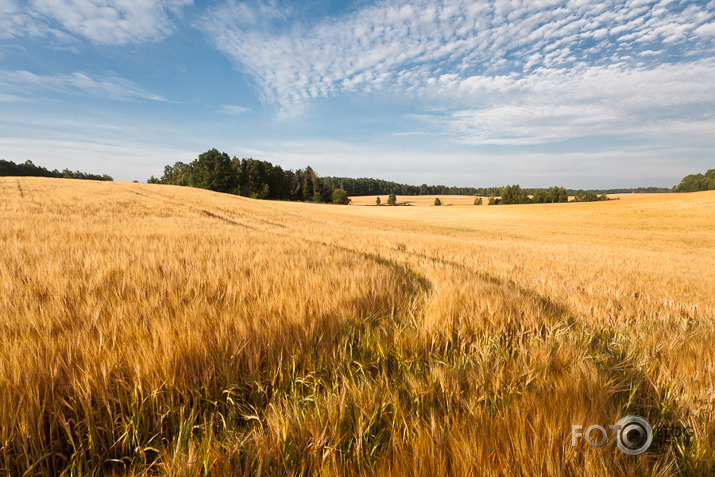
(483, 92)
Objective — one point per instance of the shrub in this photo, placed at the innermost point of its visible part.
(392, 199)
(583, 196)
(437, 201)
(340, 196)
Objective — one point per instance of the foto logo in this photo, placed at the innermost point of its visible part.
(633, 435)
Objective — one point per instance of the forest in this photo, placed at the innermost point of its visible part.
(214, 170)
(28, 169)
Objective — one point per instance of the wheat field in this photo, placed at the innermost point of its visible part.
(160, 330)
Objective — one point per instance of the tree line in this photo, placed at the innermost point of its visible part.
(214, 170)
(250, 177)
(368, 186)
(697, 182)
(632, 190)
(9, 168)
(217, 171)
(514, 194)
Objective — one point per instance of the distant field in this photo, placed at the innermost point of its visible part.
(468, 200)
(160, 330)
(417, 200)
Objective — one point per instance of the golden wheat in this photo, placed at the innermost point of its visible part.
(148, 329)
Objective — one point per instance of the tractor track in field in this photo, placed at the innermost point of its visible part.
(555, 310)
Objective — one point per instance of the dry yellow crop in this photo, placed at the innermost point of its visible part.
(151, 329)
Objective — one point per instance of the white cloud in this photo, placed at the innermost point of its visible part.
(11, 98)
(12, 19)
(555, 104)
(234, 109)
(115, 22)
(24, 84)
(517, 71)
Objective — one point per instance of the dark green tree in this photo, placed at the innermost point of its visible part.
(437, 201)
(557, 194)
(697, 182)
(213, 171)
(514, 194)
(540, 196)
(178, 174)
(308, 184)
(392, 199)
